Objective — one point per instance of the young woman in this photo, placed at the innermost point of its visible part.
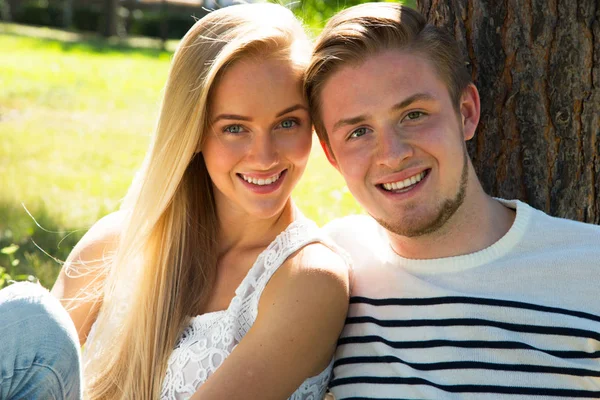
(209, 283)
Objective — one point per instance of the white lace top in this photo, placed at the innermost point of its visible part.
(211, 337)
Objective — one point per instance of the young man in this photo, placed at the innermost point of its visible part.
(455, 294)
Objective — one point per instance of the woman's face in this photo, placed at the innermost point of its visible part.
(259, 137)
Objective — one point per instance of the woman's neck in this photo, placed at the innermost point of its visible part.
(237, 230)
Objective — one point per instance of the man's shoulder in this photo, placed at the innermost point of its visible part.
(562, 229)
(561, 237)
(361, 237)
(354, 230)
(350, 222)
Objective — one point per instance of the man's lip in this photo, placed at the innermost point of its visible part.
(401, 175)
(407, 192)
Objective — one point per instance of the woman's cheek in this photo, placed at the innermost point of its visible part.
(298, 145)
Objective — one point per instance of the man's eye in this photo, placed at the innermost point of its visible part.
(233, 129)
(411, 116)
(288, 123)
(358, 132)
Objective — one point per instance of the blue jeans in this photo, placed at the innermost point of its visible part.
(39, 347)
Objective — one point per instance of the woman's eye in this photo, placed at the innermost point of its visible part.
(233, 129)
(288, 123)
(411, 116)
(358, 132)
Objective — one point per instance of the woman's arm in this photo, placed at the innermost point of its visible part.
(300, 316)
(82, 273)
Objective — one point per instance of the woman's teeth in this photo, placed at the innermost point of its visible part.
(405, 183)
(261, 182)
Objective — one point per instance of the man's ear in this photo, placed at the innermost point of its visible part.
(470, 111)
(329, 154)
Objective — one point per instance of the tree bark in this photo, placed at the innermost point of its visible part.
(536, 64)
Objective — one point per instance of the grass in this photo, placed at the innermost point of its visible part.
(76, 114)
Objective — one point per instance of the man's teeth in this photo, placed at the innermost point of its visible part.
(261, 182)
(405, 183)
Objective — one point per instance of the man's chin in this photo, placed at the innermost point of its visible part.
(413, 227)
(419, 223)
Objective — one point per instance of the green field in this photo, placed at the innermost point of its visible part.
(76, 114)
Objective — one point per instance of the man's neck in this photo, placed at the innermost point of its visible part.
(478, 223)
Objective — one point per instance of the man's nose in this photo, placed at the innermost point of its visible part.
(392, 148)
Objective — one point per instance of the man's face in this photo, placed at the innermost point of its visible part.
(398, 140)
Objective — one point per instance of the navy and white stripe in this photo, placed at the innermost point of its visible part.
(550, 352)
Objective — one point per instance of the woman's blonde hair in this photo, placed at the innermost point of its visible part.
(165, 265)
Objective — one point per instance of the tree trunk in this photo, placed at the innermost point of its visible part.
(67, 10)
(5, 13)
(536, 64)
(164, 24)
(110, 18)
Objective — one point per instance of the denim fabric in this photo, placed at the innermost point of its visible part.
(39, 348)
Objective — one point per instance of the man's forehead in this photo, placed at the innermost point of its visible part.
(385, 77)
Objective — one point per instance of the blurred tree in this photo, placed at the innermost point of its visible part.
(67, 18)
(110, 18)
(536, 64)
(5, 14)
(164, 23)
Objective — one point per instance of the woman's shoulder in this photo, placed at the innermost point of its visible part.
(93, 252)
(78, 283)
(307, 252)
(99, 242)
(320, 259)
(316, 271)
(105, 232)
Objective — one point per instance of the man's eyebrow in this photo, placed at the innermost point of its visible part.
(290, 109)
(403, 104)
(413, 99)
(349, 121)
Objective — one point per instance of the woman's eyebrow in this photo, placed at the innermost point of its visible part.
(292, 108)
(244, 118)
(231, 116)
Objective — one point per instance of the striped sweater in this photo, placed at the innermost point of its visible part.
(517, 320)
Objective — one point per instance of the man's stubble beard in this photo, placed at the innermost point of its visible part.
(446, 211)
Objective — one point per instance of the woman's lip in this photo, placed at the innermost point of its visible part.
(264, 189)
(261, 175)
